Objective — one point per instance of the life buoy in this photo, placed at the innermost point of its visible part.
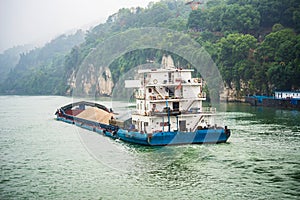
(199, 95)
(159, 97)
(155, 81)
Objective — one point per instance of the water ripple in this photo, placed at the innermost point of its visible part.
(41, 158)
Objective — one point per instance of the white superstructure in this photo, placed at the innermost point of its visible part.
(169, 99)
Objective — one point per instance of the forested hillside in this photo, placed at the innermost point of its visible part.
(10, 58)
(255, 44)
(40, 70)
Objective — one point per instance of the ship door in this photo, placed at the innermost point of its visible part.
(171, 91)
(176, 106)
(182, 125)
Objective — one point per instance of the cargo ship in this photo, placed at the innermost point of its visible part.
(168, 111)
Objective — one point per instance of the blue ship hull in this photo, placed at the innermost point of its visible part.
(211, 135)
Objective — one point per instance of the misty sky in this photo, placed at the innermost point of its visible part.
(39, 21)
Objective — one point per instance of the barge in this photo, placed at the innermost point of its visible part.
(168, 111)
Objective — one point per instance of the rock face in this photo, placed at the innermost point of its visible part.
(105, 83)
(228, 95)
(167, 62)
(71, 82)
(231, 94)
(91, 82)
(97, 81)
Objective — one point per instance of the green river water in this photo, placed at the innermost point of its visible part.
(42, 158)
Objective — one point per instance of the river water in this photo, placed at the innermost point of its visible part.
(42, 158)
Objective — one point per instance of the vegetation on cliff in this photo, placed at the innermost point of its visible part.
(41, 70)
(255, 44)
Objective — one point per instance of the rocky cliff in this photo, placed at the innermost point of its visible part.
(233, 93)
(94, 81)
(97, 81)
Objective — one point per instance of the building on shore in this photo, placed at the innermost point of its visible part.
(287, 95)
(281, 99)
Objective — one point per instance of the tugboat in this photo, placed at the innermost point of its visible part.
(168, 111)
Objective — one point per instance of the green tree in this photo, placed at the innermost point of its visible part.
(278, 46)
(242, 19)
(275, 11)
(279, 52)
(234, 51)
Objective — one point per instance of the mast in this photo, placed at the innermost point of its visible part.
(168, 109)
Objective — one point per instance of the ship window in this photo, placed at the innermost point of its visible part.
(145, 123)
(170, 91)
(176, 106)
(150, 90)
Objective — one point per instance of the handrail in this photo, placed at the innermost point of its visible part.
(197, 122)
